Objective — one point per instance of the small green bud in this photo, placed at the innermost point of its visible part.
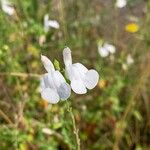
(56, 65)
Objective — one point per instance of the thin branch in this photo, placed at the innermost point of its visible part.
(5, 117)
(19, 74)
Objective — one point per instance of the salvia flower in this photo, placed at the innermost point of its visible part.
(53, 84)
(121, 3)
(81, 78)
(106, 49)
(50, 23)
(7, 7)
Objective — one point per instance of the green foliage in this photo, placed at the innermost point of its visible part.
(116, 111)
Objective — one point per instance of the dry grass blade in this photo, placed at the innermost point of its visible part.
(132, 102)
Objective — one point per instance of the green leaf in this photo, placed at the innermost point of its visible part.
(137, 115)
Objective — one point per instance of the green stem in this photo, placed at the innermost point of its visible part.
(75, 129)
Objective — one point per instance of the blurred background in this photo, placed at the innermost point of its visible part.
(111, 36)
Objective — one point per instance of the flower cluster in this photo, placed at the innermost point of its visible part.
(54, 86)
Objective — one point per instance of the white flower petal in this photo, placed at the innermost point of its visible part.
(103, 51)
(50, 95)
(47, 63)
(64, 91)
(81, 68)
(50, 80)
(76, 76)
(43, 83)
(76, 71)
(78, 86)
(70, 72)
(91, 79)
(67, 56)
(58, 78)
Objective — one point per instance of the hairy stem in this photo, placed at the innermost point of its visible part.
(75, 129)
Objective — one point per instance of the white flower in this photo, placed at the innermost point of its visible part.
(103, 51)
(110, 48)
(121, 3)
(50, 23)
(106, 49)
(53, 84)
(81, 78)
(130, 60)
(7, 7)
(124, 66)
(47, 131)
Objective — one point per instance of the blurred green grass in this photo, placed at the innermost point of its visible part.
(113, 115)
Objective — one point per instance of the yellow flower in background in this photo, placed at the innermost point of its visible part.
(102, 84)
(132, 27)
(43, 103)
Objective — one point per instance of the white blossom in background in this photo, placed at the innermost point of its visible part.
(124, 66)
(130, 60)
(106, 49)
(42, 40)
(103, 51)
(50, 23)
(47, 131)
(81, 78)
(7, 7)
(111, 48)
(53, 84)
(121, 3)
